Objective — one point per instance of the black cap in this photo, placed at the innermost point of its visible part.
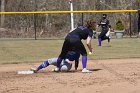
(105, 15)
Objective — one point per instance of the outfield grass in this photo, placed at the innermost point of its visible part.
(16, 51)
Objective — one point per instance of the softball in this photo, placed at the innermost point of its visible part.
(90, 53)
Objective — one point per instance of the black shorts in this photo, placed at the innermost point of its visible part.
(102, 34)
(72, 44)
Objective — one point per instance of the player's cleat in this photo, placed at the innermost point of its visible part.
(34, 70)
(86, 71)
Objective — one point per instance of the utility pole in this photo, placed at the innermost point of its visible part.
(130, 24)
(71, 15)
(35, 17)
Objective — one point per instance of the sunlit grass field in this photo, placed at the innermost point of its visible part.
(28, 50)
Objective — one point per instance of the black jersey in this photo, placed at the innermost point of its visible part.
(104, 23)
(81, 32)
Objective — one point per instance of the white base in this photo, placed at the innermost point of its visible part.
(25, 72)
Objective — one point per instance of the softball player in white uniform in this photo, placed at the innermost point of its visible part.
(66, 64)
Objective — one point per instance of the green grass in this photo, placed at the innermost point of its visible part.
(17, 51)
(120, 48)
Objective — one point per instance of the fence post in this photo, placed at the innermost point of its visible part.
(35, 17)
(82, 19)
(130, 33)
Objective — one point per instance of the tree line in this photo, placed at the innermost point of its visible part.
(22, 25)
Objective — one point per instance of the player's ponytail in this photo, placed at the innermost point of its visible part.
(91, 24)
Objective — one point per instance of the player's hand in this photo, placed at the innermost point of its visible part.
(70, 62)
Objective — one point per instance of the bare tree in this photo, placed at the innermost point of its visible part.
(2, 10)
(55, 23)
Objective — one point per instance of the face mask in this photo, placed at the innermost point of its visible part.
(104, 17)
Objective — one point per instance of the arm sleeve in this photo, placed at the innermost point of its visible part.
(107, 22)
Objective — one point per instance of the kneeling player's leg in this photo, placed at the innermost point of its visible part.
(106, 37)
(101, 37)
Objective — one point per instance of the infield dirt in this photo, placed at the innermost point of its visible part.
(108, 76)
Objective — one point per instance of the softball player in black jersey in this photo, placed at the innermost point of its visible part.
(73, 43)
(104, 23)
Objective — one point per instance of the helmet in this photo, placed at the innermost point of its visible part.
(65, 66)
